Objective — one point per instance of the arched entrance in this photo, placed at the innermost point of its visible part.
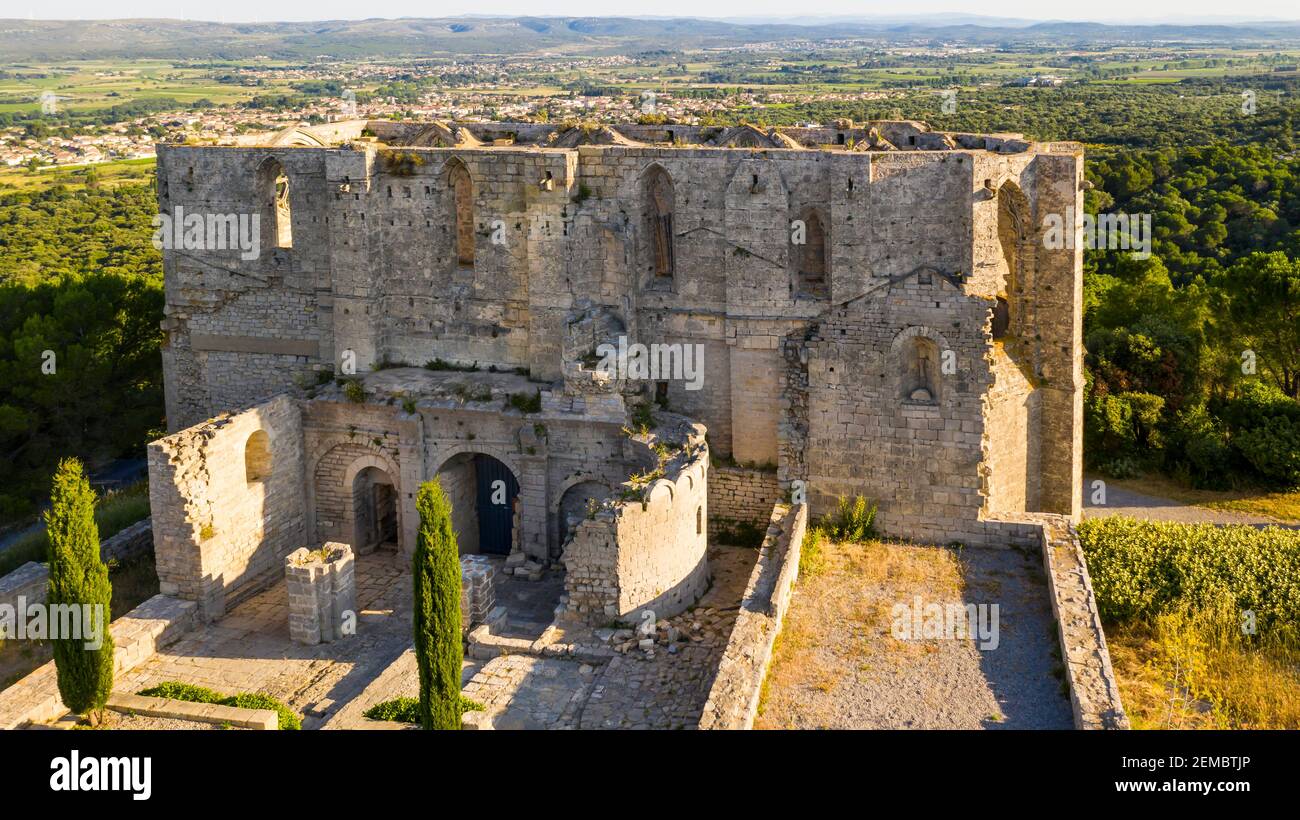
(484, 496)
(374, 506)
(573, 506)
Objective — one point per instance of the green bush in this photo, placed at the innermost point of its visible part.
(78, 576)
(1273, 449)
(256, 700)
(407, 710)
(1141, 569)
(526, 403)
(175, 690)
(1200, 449)
(853, 520)
(437, 620)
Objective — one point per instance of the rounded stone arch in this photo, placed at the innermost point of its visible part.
(258, 461)
(658, 201)
(573, 484)
(460, 187)
(484, 485)
(376, 514)
(916, 354)
(442, 456)
(274, 193)
(661, 484)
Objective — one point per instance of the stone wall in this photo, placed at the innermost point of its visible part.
(741, 495)
(137, 636)
(1094, 691)
(220, 527)
(738, 682)
(31, 580)
(646, 551)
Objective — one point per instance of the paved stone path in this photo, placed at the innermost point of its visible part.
(250, 651)
(839, 665)
(331, 685)
(664, 687)
(1120, 501)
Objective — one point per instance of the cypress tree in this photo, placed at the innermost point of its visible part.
(436, 587)
(79, 577)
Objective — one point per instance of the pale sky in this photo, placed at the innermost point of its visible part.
(1181, 11)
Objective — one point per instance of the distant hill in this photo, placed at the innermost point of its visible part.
(53, 40)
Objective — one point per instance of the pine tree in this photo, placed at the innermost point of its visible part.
(436, 583)
(79, 577)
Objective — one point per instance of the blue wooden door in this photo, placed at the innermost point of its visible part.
(495, 509)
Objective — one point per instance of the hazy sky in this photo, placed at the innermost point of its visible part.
(262, 10)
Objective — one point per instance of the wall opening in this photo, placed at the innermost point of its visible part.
(810, 258)
(277, 212)
(485, 503)
(462, 188)
(575, 504)
(257, 457)
(374, 512)
(659, 202)
(1013, 238)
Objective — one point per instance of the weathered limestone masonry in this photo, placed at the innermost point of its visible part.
(228, 504)
(322, 591)
(875, 307)
(738, 683)
(137, 635)
(741, 495)
(1094, 691)
(646, 550)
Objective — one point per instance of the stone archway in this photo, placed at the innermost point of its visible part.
(374, 511)
(485, 502)
(571, 507)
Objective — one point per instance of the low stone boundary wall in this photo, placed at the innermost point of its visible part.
(29, 583)
(740, 495)
(198, 712)
(1094, 692)
(733, 697)
(31, 580)
(156, 623)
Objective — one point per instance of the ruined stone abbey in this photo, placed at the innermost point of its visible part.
(872, 309)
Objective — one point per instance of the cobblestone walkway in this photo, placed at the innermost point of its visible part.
(250, 651)
(663, 687)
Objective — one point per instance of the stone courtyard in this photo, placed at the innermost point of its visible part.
(332, 684)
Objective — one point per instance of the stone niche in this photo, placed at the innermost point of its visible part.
(322, 592)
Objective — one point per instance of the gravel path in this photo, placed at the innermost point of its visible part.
(1120, 501)
(838, 663)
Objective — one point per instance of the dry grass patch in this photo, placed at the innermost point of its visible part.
(1199, 672)
(839, 621)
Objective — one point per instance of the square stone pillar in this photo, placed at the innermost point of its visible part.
(322, 590)
(477, 592)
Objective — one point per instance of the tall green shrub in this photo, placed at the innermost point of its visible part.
(78, 577)
(437, 611)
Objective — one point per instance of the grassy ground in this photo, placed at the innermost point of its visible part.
(1185, 673)
(107, 175)
(1281, 505)
(114, 512)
